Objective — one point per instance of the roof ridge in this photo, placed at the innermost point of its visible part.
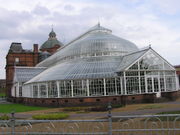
(28, 67)
(136, 52)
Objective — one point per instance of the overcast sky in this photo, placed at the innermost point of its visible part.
(144, 22)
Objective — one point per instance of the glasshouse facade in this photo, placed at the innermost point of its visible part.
(96, 64)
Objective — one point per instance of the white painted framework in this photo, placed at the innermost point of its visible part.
(148, 74)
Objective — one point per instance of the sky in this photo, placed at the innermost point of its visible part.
(143, 22)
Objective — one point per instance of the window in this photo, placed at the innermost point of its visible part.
(43, 92)
(110, 86)
(35, 91)
(20, 91)
(79, 88)
(16, 60)
(65, 88)
(96, 87)
(52, 89)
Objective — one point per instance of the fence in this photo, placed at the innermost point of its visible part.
(168, 124)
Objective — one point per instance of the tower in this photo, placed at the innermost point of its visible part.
(52, 44)
(17, 56)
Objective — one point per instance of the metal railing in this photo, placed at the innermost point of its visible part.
(167, 124)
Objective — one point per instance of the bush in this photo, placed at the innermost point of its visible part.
(97, 109)
(52, 116)
(117, 105)
(73, 109)
(4, 117)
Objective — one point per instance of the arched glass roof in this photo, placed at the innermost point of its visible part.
(95, 54)
(95, 42)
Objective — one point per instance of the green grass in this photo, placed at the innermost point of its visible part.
(4, 117)
(2, 94)
(8, 108)
(150, 107)
(171, 112)
(52, 116)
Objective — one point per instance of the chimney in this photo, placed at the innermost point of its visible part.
(35, 47)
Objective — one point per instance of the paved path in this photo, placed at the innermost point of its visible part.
(104, 114)
(125, 113)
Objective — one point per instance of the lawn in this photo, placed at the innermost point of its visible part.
(170, 112)
(8, 108)
(2, 94)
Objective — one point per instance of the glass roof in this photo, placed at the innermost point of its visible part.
(23, 74)
(95, 54)
(97, 40)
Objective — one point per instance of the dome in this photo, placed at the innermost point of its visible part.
(97, 41)
(95, 54)
(51, 42)
(52, 34)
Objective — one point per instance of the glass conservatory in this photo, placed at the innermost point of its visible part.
(98, 63)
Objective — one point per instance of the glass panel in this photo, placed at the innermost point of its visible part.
(110, 86)
(151, 61)
(134, 67)
(162, 84)
(52, 89)
(79, 88)
(156, 84)
(143, 88)
(42, 90)
(132, 85)
(35, 91)
(65, 88)
(132, 73)
(118, 84)
(170, 83)
(167, 67)
(20, 91)
(96, 87)
(149, 84)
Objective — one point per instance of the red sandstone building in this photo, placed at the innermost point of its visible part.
(18, 56)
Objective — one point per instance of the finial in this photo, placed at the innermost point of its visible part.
(52, 27)
(98, 24)
(149, 45)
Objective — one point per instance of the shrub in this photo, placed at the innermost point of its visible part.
(4, 117)
(52, 116)
(150, 107)
(73, 109)
(97, 109)
(117, 105)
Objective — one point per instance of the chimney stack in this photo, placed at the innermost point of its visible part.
(35, 47)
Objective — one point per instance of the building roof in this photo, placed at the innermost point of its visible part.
(23, 74)
(95, 54)
(16, 47)
(127, 60)
(51, 42)
(80, 69)
(95, 41)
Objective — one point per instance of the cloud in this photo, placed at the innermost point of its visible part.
(68, 7)
(41, 11)
(170, 7)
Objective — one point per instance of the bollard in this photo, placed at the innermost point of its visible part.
(13, 123)
(110, 118)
